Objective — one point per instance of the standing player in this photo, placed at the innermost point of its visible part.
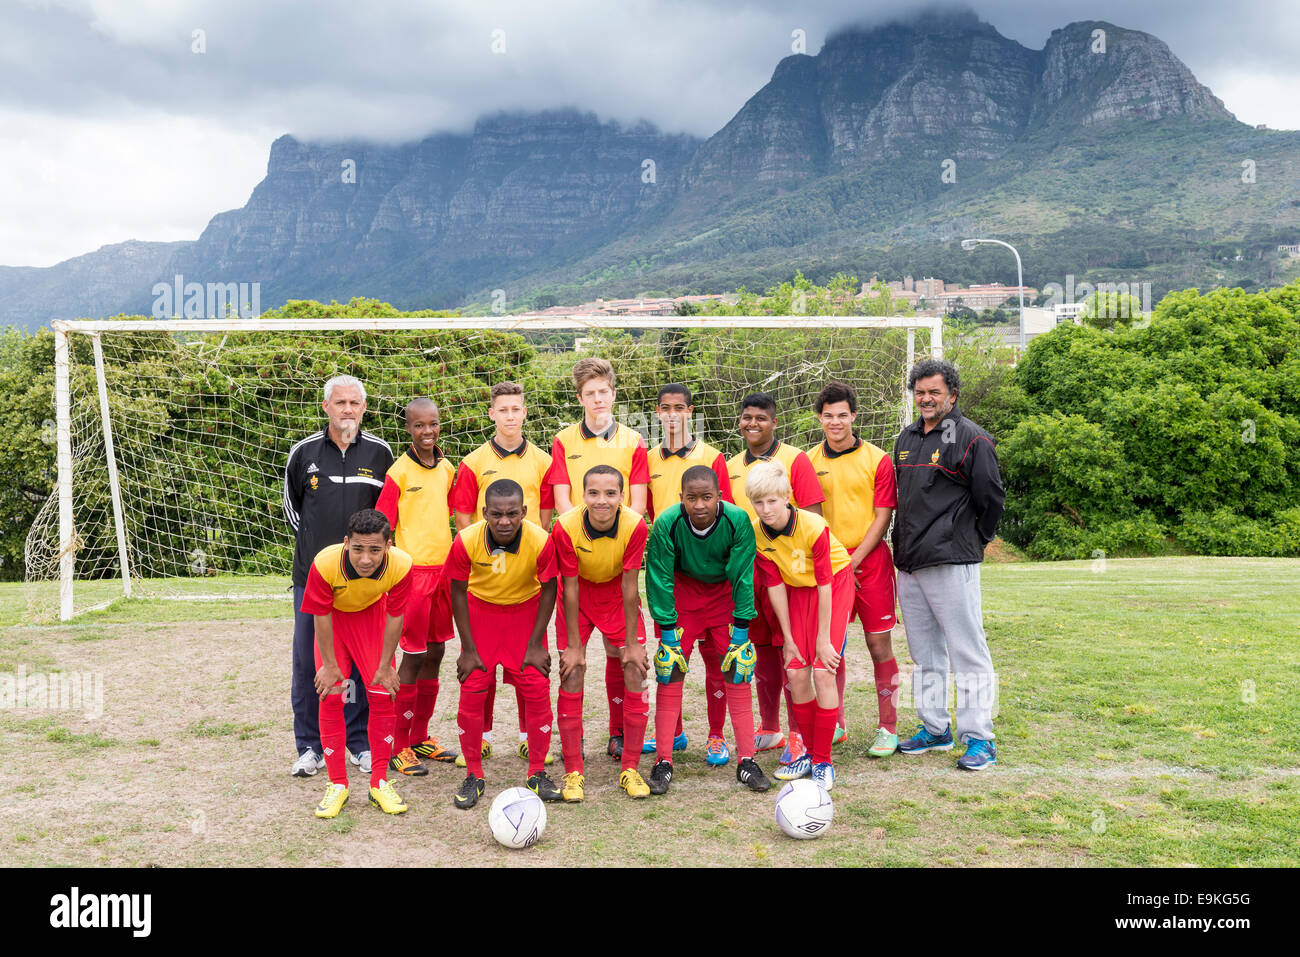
(758, 423)
(680, 451)
(807, 575)
(417, 502)
(357, 592)
(506, 455)
(502, 573)
(858, 479)
(699, 582)
(598, 547)
(599, 440)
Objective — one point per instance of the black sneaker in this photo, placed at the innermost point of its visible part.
(544, 787)
(471, 789)
(661, 775)
(751, 775)
(615, 747)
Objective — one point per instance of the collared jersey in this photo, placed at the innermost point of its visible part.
(502, 575)
(333, 584)
(417, 501)
(724, 553)
(804, 489)
(599, 556)
(575, 450)
(856, 482)
(526, 465)
(666, 470)
(804, 554)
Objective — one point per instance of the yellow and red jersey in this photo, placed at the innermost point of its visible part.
(526, 465)
(417, 501)
(597, 557)
(804, 488)
(577, 449)
(502, 574)
(334, 585)
(856, 482)
(666, 468)
(804, 554)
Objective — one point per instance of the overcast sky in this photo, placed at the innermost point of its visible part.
(113, 127)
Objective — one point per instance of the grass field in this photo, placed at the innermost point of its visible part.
(1147, 717)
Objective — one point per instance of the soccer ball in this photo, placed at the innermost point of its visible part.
(517, 818)
(804, 809)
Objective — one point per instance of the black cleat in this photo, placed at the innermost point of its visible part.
(615, 747)
(544, 787)
(661, 775)
(471, 789)
(751, 775)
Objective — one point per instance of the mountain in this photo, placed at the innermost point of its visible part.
(1100, 155)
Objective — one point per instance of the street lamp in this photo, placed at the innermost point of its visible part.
(970, 244)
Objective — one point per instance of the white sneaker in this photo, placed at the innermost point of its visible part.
(308, 763)
(363, 762)
(824, 774)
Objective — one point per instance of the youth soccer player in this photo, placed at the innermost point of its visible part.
(680, 451)
(416, 499)
(758, 422)
(809, 580)
(502, 574)
(598, 547)
(858, 479)
(357, 592)
(506, 455)
(700, 585)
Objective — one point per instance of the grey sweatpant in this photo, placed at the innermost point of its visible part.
(944, 623)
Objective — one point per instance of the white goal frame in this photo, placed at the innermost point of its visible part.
(63, 328)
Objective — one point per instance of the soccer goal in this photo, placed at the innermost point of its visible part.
(172, 435)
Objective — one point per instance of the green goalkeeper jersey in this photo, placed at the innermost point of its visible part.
(725, 553)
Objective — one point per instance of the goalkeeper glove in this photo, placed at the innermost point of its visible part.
(669, 655)
(741, 654)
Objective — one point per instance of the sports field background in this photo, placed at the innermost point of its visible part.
(1148, 716)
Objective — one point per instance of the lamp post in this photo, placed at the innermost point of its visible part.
(970, 244)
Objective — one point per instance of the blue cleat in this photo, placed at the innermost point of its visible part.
(716, 752)
(924, 741)
(980, 755)
(679, 744)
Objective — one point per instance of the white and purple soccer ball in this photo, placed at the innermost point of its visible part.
(517, 818)
(804, 809)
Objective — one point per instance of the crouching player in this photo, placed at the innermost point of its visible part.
(502, 575)
(598, 547)
(357, 592)
(700, 585)
(809, 580)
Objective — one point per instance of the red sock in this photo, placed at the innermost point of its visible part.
(536, 693)
(792, 716)
(768, 679)
(636, 715)
(741, 705)
(569, 718)
(469, 718)
(489, 706)
(426, 696)
(668, 711)
(379, 729)
(715, 694)
(519, 704)
(334, 738)
(404, 716)
(887, 693)
(823, 725)
(615, 692)
(839, 689)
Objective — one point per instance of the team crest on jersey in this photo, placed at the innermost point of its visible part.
(733, 477)
(339, 588)
(935, 457)
(315, 483)
(366, 472)
(904, 454)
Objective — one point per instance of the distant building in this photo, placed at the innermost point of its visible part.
(1292, 252)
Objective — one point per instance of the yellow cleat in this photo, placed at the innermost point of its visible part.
(336, 795)
(485, 752)
(522, 751)
(385, 798)
(632, 782)
(572, 790)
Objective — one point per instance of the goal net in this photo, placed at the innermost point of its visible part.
(173, 434)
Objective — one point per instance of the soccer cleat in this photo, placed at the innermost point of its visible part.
(716, 752)
(544, 787)
(308, 763)
(824, 774)
(431, 749)
(765, 740)
(800, 767)
(573, 783)
(924, 741)
(385, 798)
(336, 795)
(885, 744)
(522, 751)
(661, 775)
(407, 763)
(794, 749)
(980, 755)
(632, 782)
(751, 775)
(471, 789)
(615, 747)
(841, 735)
(679, 744)
(485, 751)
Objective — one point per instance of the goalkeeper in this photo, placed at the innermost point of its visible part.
(700, 586)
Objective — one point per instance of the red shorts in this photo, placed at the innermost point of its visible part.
(875, 592)
(501, 632)
(359, 640)
(803, 615)
(764, 629)
(428, 610)
(704, 614)
(600, 606)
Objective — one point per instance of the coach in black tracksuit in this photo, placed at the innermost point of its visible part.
(330, 475)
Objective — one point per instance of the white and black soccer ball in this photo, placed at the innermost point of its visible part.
(517, 818)
(804, 809)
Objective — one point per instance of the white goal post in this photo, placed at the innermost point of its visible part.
(47, 556)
